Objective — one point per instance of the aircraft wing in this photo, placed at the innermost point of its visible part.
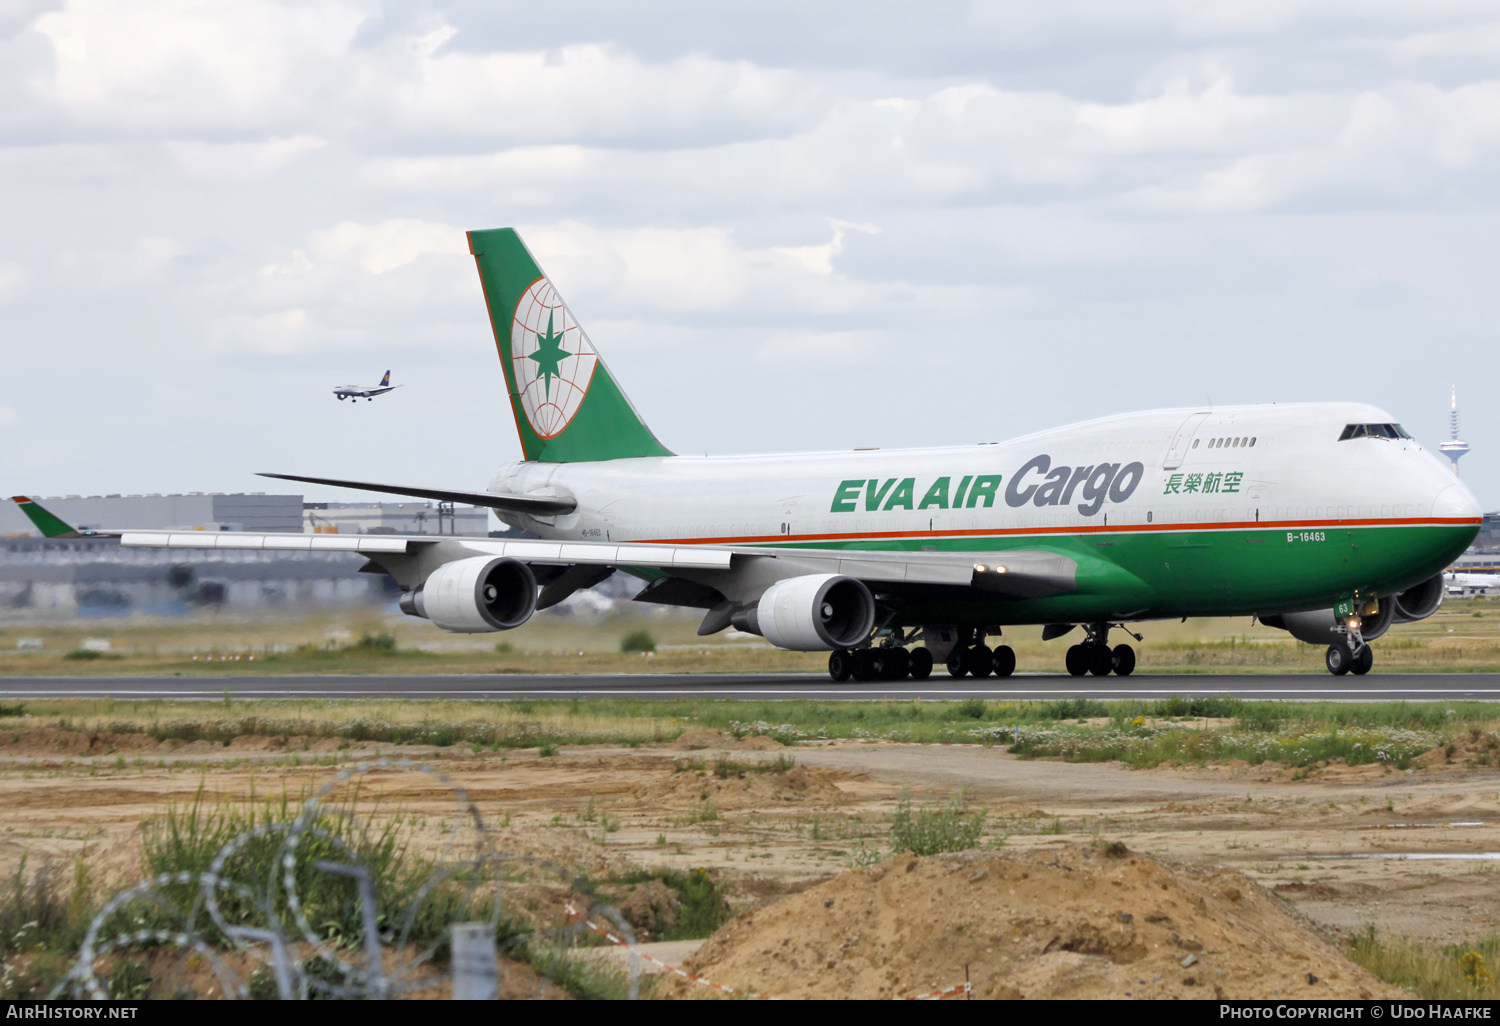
(1018, 573)
(536, 505)
(664, 557)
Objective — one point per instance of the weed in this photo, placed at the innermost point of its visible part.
(506, 648)
(931, 831)
(1073, 709)
(1454, 971)
(547, 750)
(701, 907)
(382, 642)
(638, 641)
(970, 708)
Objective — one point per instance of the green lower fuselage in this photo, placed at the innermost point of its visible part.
(1204, 572)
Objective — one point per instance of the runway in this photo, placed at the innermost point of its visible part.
(769, 687)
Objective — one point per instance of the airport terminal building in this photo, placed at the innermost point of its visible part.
(62, 577)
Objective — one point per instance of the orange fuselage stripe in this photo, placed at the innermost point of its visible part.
(1264, 525)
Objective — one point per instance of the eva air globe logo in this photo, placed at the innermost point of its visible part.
(551, 358)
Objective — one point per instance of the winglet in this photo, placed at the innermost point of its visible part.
(49, 525)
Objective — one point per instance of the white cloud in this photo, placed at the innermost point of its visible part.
(387, 245)
(686, 271)
(70, 162)
(8, 416)
(800, 348)
(179, 66)
(13, 279)
(147, 260)
(961, 144)
(227, 162)
(277, 334)
(819, 259)
(175, 65)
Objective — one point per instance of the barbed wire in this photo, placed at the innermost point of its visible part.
(268, 935)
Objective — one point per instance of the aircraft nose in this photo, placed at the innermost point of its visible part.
(1456, 502)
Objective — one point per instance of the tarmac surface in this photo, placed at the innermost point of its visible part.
(770, 687)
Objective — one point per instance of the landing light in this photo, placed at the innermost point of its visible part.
(980, 568)
(999, 569)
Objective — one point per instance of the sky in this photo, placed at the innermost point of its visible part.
(785, 226)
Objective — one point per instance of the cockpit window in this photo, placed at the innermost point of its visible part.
(1373, 431)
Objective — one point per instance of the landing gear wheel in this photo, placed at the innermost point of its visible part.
(894, 663)
(959, 662)
(1101, 660)
(1338, 660)
(1077, 660)
(1363, 661)
(864, 665)
(1005, 661)
(921, 664)
(840, 664)
(981, 661)
(1124, 657)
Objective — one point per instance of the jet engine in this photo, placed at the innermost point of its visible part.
(1316, 627)
(815, 613)
(475, 595)
(1419, 601)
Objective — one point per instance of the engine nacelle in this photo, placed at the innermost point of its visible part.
(815, 613)
(475, 595)
(1419, 601)
(1316, 627)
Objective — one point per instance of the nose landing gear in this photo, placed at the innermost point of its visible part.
(1351, 655)
(1093, 655)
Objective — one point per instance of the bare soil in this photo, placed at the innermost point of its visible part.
(1307, 851)
(1078, 922)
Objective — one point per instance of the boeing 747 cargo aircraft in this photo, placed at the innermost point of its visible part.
(1326, 520)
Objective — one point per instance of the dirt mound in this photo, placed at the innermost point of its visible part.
(1298, 890)
(732, 788)
(698, 740)
(1476, 748)
(1064, 923)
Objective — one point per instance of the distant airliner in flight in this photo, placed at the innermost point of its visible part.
(367, 392)
(1327, 520)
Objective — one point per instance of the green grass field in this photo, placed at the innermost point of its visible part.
(1464, 636)
(1139, 733)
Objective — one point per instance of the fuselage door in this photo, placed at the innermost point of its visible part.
(1182, 441)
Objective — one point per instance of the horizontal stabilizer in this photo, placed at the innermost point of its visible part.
(536, 505)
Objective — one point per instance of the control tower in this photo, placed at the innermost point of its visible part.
(1453, 448)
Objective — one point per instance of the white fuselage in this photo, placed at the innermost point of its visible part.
(1296, 471)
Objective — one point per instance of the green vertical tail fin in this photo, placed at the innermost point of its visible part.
(49, 525)
(568, 407)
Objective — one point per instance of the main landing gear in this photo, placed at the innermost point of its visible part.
(978, 660)
(1093, 654)
(890, 663)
